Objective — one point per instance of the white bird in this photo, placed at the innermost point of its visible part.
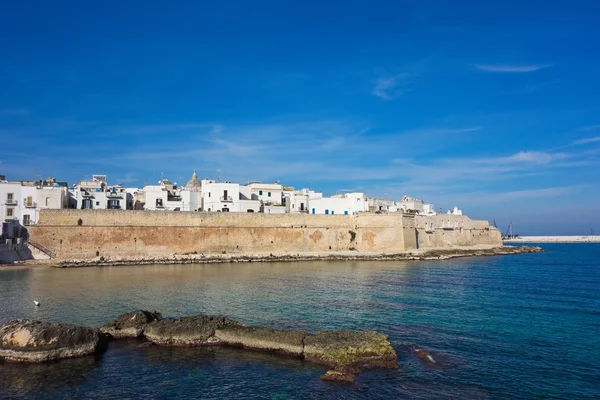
(37, 303)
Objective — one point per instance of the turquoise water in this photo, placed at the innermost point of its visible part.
(518, 327)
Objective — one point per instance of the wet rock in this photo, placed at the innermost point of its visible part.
(257, 338)
(25, 340)
(333, 375)
(424, 356)
(348, 351)
(195, 330)
(130, 325)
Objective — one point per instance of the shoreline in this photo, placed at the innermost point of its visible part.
(417, 255)
(555, 239)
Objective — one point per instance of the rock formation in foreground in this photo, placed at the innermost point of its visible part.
(130, 325)
(24, 340)
(196, 330)
(344, 352)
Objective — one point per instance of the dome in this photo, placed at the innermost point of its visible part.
(194, 183)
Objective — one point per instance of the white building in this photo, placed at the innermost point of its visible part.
(268, 193)
(227, 197)
(455, 211)
(383, 205)
(21, 201)
(298, 201)
(345, 204)
(97, 195)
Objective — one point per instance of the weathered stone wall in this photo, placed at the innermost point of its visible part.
(88, 233)
(444, 231)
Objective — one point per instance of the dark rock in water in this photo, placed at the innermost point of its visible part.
(257, 338)
(333, 375)
(348, 351)
(130, 325)
(25, 340)
(424, 356)
(187, 331)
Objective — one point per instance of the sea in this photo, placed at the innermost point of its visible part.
(521, 326)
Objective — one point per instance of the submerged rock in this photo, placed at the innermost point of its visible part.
(187, 331)
(348, 351)
(257, 338)
(333, 375)
(424, 356)
(25, 340)
(130, 325)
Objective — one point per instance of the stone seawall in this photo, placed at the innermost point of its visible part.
(85, 234)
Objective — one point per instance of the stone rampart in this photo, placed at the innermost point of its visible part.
(445, 230)
(82, 234)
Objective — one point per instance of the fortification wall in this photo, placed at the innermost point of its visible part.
(444, 231)
(81, 234)
(88, 233)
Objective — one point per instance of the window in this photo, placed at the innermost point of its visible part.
(47, 201)
(114, 204)
(26, 220)
(260, 192)
(269, 194)
(29, 201)
(208, 194)
(97, 203)
(326, 211)
(9, 212)
(301, 206)
(9, 196)
(250, 210)
(224, 194)
(225, 209)
(159, 203)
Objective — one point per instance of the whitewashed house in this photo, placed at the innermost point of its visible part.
(344, 204)
(267, 193)
(298, 201)
(227, 197)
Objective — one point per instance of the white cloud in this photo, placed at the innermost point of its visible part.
(587, 140)
(536, 157)
(510, 68)
(389, 87)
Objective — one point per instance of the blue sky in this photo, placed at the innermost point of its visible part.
(491, 106)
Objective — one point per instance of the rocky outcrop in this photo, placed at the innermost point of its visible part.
(257, 338)
(421, 254)
(25, 340)
(346, 352)
(196, 330)
(130, 325)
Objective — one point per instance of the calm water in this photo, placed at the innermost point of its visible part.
(524, 326)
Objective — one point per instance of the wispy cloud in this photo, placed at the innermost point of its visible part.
(587, 140)
(390, 87)
(536, 157)
(505, 68)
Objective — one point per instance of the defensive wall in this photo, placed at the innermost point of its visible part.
(81, 234)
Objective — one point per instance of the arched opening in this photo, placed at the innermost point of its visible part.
(79, 222)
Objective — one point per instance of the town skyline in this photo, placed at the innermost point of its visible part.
(492, 109)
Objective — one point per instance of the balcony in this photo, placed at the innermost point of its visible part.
(448, 227)
(114, 195)
(11, 218)
(31, 204)
(11, 202)
(226, 198)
